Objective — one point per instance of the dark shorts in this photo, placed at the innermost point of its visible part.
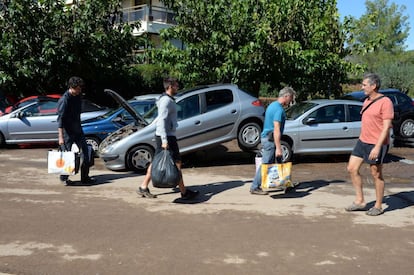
(172, 147)
(363, 150)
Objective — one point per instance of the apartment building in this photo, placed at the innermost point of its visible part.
(153, 17)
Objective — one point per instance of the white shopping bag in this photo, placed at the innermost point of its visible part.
(61, 162)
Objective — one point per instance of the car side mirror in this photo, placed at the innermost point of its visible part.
(18, 115)
(311, 121)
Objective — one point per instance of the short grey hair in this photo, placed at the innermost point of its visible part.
(373, 79)
(287, 91)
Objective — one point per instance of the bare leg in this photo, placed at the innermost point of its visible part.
(376, 172)
(181, 185)
(147, 178)
(353, 169)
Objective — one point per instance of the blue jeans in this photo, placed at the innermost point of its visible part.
(268, 157)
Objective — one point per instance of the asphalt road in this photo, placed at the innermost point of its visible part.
(48, 228)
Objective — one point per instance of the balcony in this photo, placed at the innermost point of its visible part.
(152, 18)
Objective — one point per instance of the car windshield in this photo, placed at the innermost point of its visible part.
(296, 110)
(89, 106)
(151, 114)
(112, 111)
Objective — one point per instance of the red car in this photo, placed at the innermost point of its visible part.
(27, 100)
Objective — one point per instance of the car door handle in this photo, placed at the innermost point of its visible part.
(233, 111)
(197, 122)
(344, 128)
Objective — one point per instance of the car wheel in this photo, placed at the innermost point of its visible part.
(407, 128)
(94, 142)
(139, 158)
(249, 136)
(287, 152)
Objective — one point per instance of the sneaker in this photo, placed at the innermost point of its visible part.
(258, 192)
(145, 193)
(189, 194)
(68, 182)
(88, 180)
(374, 211)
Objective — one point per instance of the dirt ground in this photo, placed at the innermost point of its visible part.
(49, 228)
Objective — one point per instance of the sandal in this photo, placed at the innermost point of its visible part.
(355, 207)
(374, 211)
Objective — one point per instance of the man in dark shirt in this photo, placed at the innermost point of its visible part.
(70, 129)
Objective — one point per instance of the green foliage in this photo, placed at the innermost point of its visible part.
(375, 43)
(383, 27)
(44, 42)
(256, 42)
(151, 77)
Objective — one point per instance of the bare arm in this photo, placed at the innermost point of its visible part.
(277, 135)
(383, 136)
(60, 133)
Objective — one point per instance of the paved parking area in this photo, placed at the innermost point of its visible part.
(48, 228)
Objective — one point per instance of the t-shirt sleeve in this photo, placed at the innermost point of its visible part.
(277, 116)
(387, 110)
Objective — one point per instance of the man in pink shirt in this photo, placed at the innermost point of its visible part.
(377, 114)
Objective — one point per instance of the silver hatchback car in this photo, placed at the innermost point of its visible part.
(207, 116)
(322, 127)
(37, 122)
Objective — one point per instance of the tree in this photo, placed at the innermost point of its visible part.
(383, 27)
(375, 42)
(257, 43)
(44, 42)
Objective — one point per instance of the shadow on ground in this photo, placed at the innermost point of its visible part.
(397, 201)
(207, 191)
(303, 189)
(105, 179)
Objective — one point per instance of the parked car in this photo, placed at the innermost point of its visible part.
(207, 116)
(98, 128)
(321, 127)
(146, 96)
(403, 122)
(27, 100)
(37, 122)
(6, 101)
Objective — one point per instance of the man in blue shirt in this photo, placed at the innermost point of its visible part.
(70, 129)
(271, 135)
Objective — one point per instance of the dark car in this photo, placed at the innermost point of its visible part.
(97, 129)
(403, 122)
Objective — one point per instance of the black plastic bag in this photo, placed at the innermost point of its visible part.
(164, 171)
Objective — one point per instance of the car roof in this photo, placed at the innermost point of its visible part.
(360, 93)
(200, 87)
(333, 101)
(146, 97)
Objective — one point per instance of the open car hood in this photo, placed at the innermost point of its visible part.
(138, 118)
